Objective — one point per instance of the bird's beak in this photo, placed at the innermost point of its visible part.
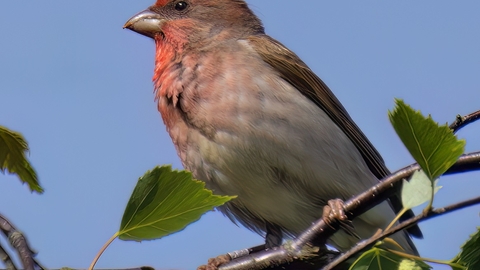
(147, 23)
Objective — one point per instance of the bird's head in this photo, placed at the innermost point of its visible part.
(195, 22)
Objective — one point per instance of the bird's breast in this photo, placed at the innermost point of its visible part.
(245, 131)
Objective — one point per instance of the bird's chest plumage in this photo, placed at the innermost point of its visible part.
(245, 131)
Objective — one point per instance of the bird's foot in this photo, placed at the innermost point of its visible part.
(214, 263)
(335, 211)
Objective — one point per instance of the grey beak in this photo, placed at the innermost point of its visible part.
(147, 23)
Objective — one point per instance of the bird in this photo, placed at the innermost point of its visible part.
(249, 118)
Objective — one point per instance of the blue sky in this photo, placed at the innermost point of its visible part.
(79, 88)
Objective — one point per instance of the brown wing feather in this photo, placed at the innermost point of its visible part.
(297, 73)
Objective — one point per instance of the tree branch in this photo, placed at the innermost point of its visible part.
(354, 207)
(19, 243)
(7, 260)
(462, 121)
(378, 193)
(407, 223)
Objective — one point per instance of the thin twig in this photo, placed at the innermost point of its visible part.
(407, 223)
(462, 121)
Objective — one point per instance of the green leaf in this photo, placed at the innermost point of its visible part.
(418, 190)
(469, 255)
(381, 259)
(13, 149)
(457, 266)
(165, 202)
(407, 264)
(434, 147)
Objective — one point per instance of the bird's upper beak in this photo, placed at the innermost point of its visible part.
(147, 23)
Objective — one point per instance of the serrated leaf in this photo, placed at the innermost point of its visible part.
(418, 190)
(381, 259)
(165, 202)
(434, 147)
(13, 149)
(469, 256)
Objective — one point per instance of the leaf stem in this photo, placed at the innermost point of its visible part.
(102, 250)
(430, 204)
(400, 214)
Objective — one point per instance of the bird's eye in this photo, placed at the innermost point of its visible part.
(180, 6)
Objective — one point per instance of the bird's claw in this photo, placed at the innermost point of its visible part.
(214, 263)
(334, 211)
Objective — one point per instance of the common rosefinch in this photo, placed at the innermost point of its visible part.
(249, 118)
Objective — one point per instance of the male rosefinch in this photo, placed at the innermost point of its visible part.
(249, 118)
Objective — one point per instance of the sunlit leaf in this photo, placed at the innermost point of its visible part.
(434, 147)
(418, 190)
(407, 264)
(13, 149)
(165, 202)
(380, 259)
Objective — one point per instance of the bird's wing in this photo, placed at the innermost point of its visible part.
(298, 74)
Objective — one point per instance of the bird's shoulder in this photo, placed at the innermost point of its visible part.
(292, 69)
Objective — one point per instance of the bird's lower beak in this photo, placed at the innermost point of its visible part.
(147, 23)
